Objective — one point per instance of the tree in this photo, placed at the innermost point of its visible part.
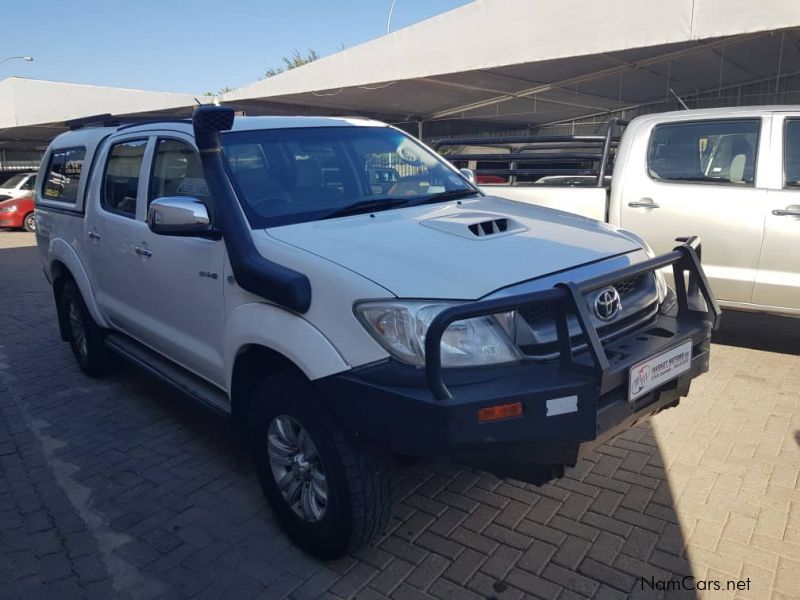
(292, 62)
(219, 92)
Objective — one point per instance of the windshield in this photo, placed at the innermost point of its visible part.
(288, 176)
(14, 181)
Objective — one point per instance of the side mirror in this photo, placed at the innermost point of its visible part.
(180, 215)
(469, 174)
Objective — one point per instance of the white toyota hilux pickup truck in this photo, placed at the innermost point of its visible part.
(728, 175)
(269, 268)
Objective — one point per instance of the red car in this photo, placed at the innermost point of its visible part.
(18, 213)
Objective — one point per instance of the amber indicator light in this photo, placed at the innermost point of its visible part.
(501, 411)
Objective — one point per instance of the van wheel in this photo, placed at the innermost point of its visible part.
(329, 491)
(29, 223)
(85, 336)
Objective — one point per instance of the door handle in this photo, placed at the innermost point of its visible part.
(789, 211)
(94, 236)
(643, 203)
(143, 252)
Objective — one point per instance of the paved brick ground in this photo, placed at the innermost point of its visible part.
(120, 489)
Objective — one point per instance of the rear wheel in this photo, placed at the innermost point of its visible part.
(330, 491)
(29, 223)
(86, 338)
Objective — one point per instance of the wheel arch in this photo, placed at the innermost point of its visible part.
(252, 364)
(263, 339)
(64, 265)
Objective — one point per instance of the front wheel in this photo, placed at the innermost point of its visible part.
(330, 491)
(29, 223)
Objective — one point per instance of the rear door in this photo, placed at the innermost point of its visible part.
(701, 178)
(778, 279)
(113, 226)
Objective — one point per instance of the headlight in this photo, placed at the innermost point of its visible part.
(9, 209)
(401, 326)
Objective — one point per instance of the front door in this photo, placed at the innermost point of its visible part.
(778, 279)
(179, 295)
(701, 179)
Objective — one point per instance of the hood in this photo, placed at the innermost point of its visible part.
(461, 250)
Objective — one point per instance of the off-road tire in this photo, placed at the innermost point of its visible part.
(357, 472)
(93, 358)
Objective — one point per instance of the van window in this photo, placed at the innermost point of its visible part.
(121, 180)
(63, 175)
(177, 172)
(719, 151)
(791, 154)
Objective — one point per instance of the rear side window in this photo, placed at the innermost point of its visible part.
(63, 175)
(718, 151)
(177, 172)
(121, 180)
(791, 154)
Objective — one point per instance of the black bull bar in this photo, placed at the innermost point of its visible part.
(568, 298)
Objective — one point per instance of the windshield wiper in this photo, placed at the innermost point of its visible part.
(445, 196)
(366, 206)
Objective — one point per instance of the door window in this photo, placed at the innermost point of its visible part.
(718, 151)
(121, 180)
(791, 154)
(177, 172)
(63, 175)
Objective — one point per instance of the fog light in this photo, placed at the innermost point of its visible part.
(501, 411)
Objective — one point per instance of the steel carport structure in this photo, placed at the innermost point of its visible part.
(523, 63)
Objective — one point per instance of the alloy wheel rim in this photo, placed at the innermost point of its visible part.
(77, 329)
(31, 223)
(297, 468)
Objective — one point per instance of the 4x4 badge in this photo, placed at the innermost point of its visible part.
(607, 304)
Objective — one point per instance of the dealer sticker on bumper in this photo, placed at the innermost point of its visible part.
(659, 369)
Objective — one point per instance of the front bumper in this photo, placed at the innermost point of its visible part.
(434, 412)
(10, 220)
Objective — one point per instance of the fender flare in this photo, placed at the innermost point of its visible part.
(289, 335)
(61, 251)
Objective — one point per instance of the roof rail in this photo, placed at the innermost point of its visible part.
(104, 120)
(108, 120)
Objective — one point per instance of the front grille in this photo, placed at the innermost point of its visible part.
(640, 293)
(549, 350)
(626, 286)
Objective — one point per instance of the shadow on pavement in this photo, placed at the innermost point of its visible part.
(759, 332)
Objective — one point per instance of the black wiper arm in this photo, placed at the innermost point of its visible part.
(366, 206)
(445, 196)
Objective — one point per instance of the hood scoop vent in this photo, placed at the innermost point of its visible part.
(475, 226)
(490, 227)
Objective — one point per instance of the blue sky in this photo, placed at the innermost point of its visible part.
(187, 46)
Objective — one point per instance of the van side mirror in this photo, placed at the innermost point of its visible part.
(469, 174)
(180, 216)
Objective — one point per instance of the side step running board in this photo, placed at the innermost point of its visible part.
(184, 381)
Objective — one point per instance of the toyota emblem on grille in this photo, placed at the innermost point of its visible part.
(607, 304)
